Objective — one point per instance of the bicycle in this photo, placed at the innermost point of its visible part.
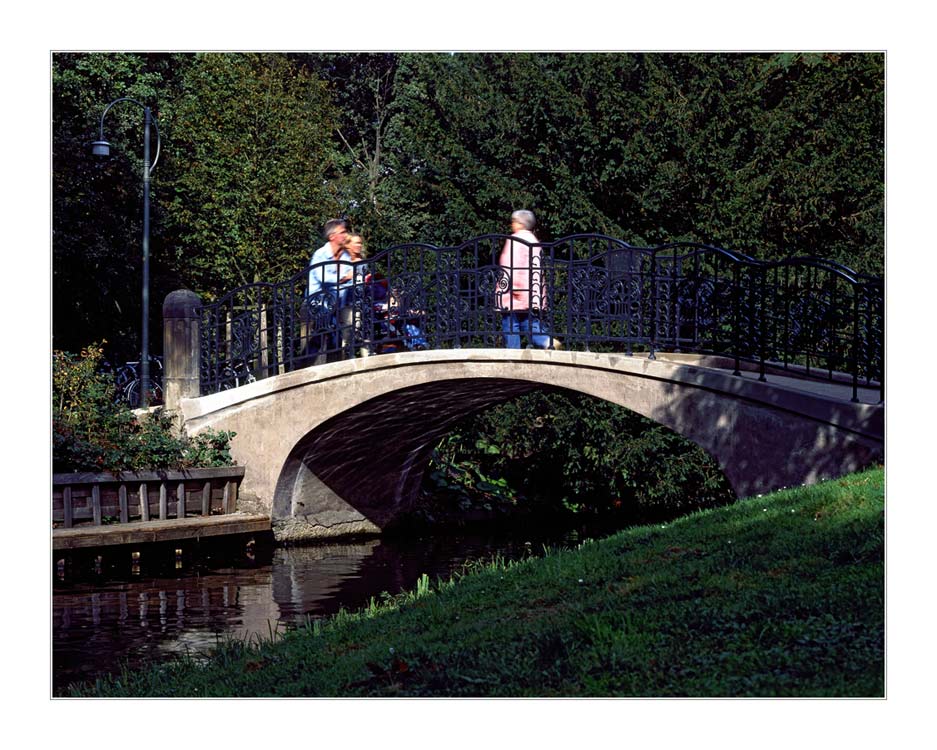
(127, 381)
(236, 375)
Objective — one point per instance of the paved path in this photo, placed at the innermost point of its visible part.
(838, 391)
(841, 391)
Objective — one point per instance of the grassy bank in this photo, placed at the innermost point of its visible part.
(781, 595)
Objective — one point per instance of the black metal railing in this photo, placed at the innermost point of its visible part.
(588, 292)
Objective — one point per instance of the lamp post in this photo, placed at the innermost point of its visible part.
(103, 148)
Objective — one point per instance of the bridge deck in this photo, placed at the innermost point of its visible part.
(840, 388)
(821, 388)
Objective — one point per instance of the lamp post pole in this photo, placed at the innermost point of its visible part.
(145, 335)
(103, 148)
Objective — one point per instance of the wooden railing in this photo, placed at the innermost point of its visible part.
(100, 499)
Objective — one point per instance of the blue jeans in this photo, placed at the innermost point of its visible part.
(515, 323)
(335, 334)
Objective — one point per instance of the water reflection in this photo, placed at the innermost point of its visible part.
(107, 614)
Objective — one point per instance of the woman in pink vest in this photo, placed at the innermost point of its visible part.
(524, 296)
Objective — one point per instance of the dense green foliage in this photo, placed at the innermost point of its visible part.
(93, 432)
(770, 154)
(773, 155)
(251, 138)
(364, 178)
(557, 452)
(775, 596)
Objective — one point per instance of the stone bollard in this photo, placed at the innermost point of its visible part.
(181, 314)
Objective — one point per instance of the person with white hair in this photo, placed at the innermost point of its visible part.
(522, 295)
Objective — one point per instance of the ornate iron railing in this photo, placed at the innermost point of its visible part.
(590, 292)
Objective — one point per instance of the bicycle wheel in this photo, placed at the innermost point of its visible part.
(132, 394)
(124, 377)
(229, 379)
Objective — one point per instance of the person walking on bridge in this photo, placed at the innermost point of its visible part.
(522, 295)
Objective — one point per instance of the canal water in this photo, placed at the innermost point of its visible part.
(120, 609)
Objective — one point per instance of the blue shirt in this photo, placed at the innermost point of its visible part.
(325, 271)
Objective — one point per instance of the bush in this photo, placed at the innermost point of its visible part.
(91, 431)
(567, 453)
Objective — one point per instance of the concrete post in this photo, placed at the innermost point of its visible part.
(181, 314)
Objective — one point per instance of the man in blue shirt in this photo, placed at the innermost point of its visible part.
(324, 272)
(330, 282)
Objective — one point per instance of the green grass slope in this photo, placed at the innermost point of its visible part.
(781, 595)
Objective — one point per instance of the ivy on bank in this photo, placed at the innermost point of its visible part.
(91, 431)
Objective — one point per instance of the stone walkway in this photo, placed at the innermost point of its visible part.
(840, 390)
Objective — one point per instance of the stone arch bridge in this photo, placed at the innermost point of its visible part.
(342, 448)
(784, 384)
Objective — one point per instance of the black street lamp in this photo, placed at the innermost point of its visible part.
(103, 148)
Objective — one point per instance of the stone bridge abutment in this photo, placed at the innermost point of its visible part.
(342, 448)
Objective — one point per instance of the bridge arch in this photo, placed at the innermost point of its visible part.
(342, 448)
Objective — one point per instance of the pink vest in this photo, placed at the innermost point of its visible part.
(525, 285)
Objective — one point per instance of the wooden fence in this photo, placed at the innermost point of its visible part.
(88, 499)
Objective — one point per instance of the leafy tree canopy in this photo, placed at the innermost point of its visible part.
(97, 204)
(768, 154)
(252, 139)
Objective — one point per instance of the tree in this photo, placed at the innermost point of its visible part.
(455, 143)
(556, 451)
(252, 150)
(362, 87)
(769, 154)
(821, 136)
(773, 155)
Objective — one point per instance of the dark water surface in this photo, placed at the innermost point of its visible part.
(115, 610)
